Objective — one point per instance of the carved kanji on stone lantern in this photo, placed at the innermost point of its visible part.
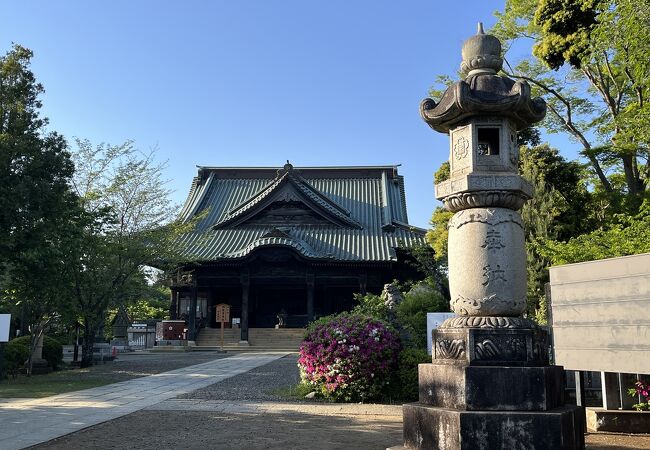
(489, 384)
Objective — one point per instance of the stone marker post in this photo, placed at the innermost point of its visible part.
(489, 385)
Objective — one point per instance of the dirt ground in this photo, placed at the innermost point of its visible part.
(207, 430)
(240, 413)
(217, 430)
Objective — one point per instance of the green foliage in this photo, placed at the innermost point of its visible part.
(443, 173)
(36, 202)
(556, 211)
(593, 71)
(15, 355)
(641, 391)
(407, 371)
(127, 226)
(412, 311)
(628, 235)
(423, 258)
(145, 309)
(560, 188)
(565, 30)
(52, 350)
(153, 304)
(34, 164)
(437, 237)
(371, 305)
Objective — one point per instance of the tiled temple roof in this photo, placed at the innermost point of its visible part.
(361, 210)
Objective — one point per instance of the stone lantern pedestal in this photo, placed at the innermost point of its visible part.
(489, 385)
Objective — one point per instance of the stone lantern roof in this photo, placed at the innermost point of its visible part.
(483, 92)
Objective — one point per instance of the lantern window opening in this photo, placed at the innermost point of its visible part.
(488, 141)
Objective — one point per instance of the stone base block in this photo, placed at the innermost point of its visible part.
(491, 388)
(431, 428)
(619, 421)
(40, 367)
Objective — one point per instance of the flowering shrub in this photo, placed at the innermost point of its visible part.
(348, 357)
(641, 389)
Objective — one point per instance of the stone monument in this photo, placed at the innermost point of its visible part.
(490, 385)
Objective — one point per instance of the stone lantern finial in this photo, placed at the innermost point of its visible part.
(481, 54)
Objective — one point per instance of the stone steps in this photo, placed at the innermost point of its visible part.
(260, 339)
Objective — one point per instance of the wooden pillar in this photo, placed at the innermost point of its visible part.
(245, 290)
(191, 326)
(173, 307)
(211, 310)
(311, 281)
(363, 283)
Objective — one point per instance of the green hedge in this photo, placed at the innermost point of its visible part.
(407, 371)
(52, 349)
(15, 355)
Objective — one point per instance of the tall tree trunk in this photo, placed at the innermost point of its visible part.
(88, 344)
(599, 172)
(630, 176)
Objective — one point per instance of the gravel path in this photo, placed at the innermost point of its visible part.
(258, 384)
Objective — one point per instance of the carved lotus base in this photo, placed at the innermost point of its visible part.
(490, 346)
(485, 199)
(488, 322)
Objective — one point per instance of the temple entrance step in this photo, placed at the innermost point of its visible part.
(259, 339)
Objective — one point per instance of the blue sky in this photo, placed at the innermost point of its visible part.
(251, 83)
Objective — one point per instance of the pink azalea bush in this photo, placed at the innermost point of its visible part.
(348, 357)
(641, 390)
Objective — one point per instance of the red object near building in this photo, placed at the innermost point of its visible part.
(173, 330)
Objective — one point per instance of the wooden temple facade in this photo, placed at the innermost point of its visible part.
(288, 244)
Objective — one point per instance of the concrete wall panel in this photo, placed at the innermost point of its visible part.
(600, 314)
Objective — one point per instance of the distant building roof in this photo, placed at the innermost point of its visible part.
(333, 214)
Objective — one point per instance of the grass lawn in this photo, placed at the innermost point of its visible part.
(294, 392)
(38, 386)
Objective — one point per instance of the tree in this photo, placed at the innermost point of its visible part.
(556, 211)
(629, 235)
(35, 198)
(127, 225)
(593, 71)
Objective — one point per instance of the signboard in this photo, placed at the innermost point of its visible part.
(223, 312)
(434, 320)
(5, 322)
(599, 314)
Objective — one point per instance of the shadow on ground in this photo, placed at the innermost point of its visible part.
(278, 430)
(201, 430)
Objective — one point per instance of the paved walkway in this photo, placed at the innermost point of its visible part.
(25, 422)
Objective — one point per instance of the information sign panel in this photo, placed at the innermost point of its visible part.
(223, 312)
(434, 320)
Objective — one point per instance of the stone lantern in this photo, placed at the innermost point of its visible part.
(490, 385)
